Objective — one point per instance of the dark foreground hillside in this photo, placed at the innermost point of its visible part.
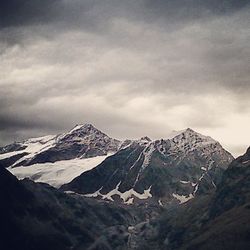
(37, 216)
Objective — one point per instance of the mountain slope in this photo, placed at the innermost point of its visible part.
(219, 220)
(174, 169)
(58, 159)
(83, 141)
(37, 216)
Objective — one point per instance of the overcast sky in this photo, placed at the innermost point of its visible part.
(130, 67)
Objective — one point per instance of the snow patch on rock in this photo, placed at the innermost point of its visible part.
(183, 198)
(127, 196)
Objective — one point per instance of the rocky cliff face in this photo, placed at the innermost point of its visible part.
(218, 220)
(174, 169)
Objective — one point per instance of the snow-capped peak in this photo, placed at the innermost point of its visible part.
(174, 133)
(82, 141)
(187, 131)
(86, 132)
(77, 127)
(83, 127)
(145, 140)
(189, 140)
(191, 136)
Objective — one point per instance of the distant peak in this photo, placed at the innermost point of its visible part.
(86, 126)
(145, 138)
(175, 133)
(189, 130)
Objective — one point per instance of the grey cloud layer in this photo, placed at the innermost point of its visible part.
(26, 12)
(134, 66)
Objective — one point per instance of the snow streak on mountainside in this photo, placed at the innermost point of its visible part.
(175, 169)
(57, 173)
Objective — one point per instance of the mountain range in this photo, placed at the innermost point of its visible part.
(38, 216)
(86, 161)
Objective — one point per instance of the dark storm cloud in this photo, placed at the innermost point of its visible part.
(96, 16)
(145, 66)
(194, 8)
(86, 14)
(21, 122)
(25, 12)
